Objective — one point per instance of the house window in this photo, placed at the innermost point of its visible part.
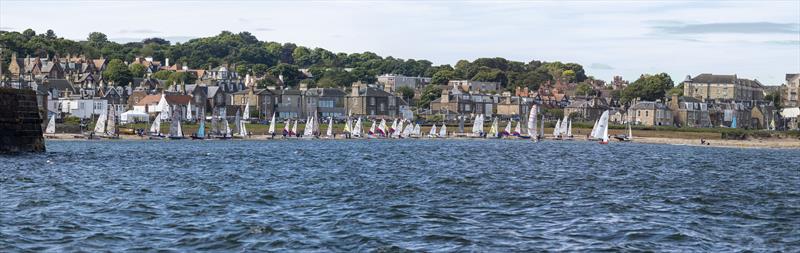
(326, 104)
(645, 113)
(372, 101)
(391, 101)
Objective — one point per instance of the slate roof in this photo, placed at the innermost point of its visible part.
(711, 78)
(373, 92)
(649, 105)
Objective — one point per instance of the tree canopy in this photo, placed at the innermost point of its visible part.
(261, 58)
(117, 73)
(648, 87)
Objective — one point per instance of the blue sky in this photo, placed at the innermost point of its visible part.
(754, 39)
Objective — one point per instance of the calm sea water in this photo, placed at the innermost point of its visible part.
(414, 195)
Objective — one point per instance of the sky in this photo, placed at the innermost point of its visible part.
(753, 39)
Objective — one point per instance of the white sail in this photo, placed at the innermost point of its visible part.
(237, 121)
(309, 129)
(493, 130)
(357, 128)
(394, 126)
(100, 125)
(272, 125)
(408, 130)
(175, 126)
(564, 123)
(246, 113)
(477, 124)
(603, 127)
(432, 133)
(111, 123)
(382, 127)
(189, 111)
(443, 131)
(594, 134)
(417, 130)
(372, 128)
(507, 130)
(557, 129)
(569, 129)
(243, 128)
(294, 127)
(155, 128)
(51, 125)
(630, 132)
(517, 128)
(398, 131)
(532, 121)
(329, 133)
(214, 122)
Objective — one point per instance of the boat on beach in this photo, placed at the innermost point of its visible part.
(603, 128)
(50, 130)
(106, 126)
(200, 134)
(175, 130)
(626, 138)
(532, 133)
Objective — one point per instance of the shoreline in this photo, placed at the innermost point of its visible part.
(776, 143)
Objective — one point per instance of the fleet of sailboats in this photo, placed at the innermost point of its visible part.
(106, 127)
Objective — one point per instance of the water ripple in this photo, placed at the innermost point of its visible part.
(398, 196)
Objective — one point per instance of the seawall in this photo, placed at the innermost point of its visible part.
(20, 122)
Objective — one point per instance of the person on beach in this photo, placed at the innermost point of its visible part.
(702, 141)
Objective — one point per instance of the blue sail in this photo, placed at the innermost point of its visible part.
(201, 131)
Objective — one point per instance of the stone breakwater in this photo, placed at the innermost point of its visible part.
(20, 122)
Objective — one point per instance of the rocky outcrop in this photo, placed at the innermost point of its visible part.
(20, 122)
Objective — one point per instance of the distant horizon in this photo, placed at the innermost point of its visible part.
(751, 39)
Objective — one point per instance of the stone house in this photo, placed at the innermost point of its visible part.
(588, 109)
(324, 102)
(727, 87)
(514, 107)
(289, 104)
(790, 96)
(454, 101)
(690, 112)
(649, 113)
(371, 101)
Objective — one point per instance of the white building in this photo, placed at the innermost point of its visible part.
(392, 82)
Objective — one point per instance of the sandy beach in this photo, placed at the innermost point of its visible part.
(750, 143)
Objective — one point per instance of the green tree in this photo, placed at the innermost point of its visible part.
(97, 39)
(181, 78)
(584, 89)
(162, 74)
(429, 93)
(406, 92)
(568, 75)
(260, 69)
(442, 77)
(137, 70)
(648, 87)
(117, 73)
